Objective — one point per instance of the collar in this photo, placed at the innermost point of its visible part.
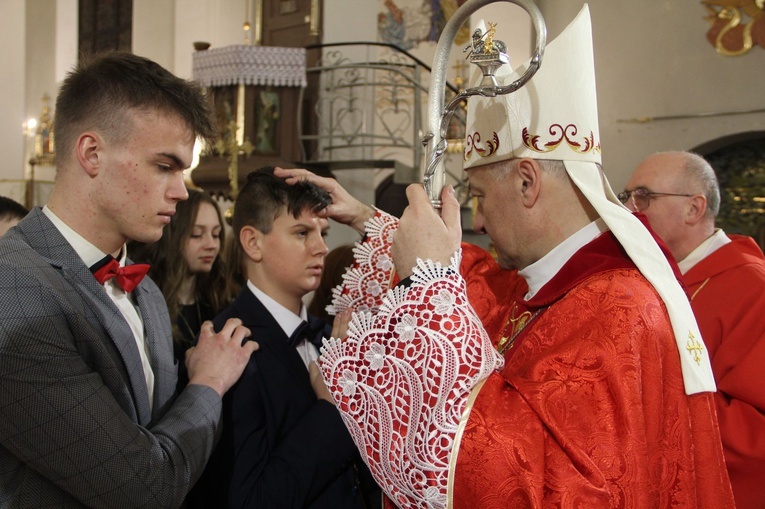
(543, 270)
(714, 242)
(89, 253)
(286, 319)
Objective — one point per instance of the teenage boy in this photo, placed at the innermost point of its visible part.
(284, 443)
(90, 413)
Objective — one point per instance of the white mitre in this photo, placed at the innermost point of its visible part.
(555, 116)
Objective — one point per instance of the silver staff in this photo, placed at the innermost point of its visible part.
(488, 57)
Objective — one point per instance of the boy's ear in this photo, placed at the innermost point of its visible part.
(88, 150)
(251, 240)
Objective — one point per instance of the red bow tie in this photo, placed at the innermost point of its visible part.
(128, 277)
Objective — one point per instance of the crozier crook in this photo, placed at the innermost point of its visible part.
(489, 55)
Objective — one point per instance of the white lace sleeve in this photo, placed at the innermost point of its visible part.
(402, 378)
(365, 283)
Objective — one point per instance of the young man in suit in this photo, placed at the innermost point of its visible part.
(284, 443)
(90, 415)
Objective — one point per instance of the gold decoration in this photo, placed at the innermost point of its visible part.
(514, 326)
(246, 25)
(488, 44)
(44, 142)
(694, 347)
(560, 134)
(228, 216)
(729, 34)
(228, 145)
(456, 132)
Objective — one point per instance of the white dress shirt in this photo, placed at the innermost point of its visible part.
(288, 321)
(91, 255)
(543, 270)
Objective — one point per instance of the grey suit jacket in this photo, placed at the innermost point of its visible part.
(75, 424)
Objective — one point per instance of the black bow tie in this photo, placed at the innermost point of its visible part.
(312, 331)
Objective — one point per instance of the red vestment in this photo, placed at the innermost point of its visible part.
(589, 409)
(728, 298)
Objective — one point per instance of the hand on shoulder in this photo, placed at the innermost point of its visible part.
(218, 359)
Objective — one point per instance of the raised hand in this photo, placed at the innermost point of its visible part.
(422, 233)
(340, 325)
(344, 209)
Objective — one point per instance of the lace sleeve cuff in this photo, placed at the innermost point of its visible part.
(403, 377)
(365, 283)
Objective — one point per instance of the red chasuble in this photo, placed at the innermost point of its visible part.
(590, 409)
(728, 299)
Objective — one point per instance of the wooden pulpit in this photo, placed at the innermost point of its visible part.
(255, 92)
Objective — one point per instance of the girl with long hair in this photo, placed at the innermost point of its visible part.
(187, 266)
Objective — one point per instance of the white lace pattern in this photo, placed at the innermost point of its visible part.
(365, 283)
(402, 379)
(250, 65)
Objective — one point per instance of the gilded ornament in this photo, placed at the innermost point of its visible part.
(514, 326)
(737, 25)
(694, 347)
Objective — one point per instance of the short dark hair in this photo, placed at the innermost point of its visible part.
(265, 196)
(11, 209)
(101, 91)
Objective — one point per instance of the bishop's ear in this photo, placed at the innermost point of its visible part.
(529, 183)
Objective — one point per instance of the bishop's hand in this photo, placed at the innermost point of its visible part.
(345, 209)
(422, 233)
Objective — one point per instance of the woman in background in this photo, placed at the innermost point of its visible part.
(187, 266)
(335, 264)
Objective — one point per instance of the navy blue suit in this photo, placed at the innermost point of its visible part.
(281, 446)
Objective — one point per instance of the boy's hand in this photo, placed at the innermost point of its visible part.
(340, 325)
(218, 360)
(344, 209)
(317, 382)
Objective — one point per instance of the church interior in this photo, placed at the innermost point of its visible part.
(341, 86)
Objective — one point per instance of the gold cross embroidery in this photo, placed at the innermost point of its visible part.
(694, 348)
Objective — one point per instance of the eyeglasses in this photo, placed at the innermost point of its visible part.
(641, 198)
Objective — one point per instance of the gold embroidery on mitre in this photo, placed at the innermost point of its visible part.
(694, 347)
(471, 145)
(561, 134)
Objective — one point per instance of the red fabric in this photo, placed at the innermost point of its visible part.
(590, 409)
(128, 277)
(728, 298)
(489, 288)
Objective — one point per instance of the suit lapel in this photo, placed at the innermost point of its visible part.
(271, 337)
(159, 340)
(45, 238)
